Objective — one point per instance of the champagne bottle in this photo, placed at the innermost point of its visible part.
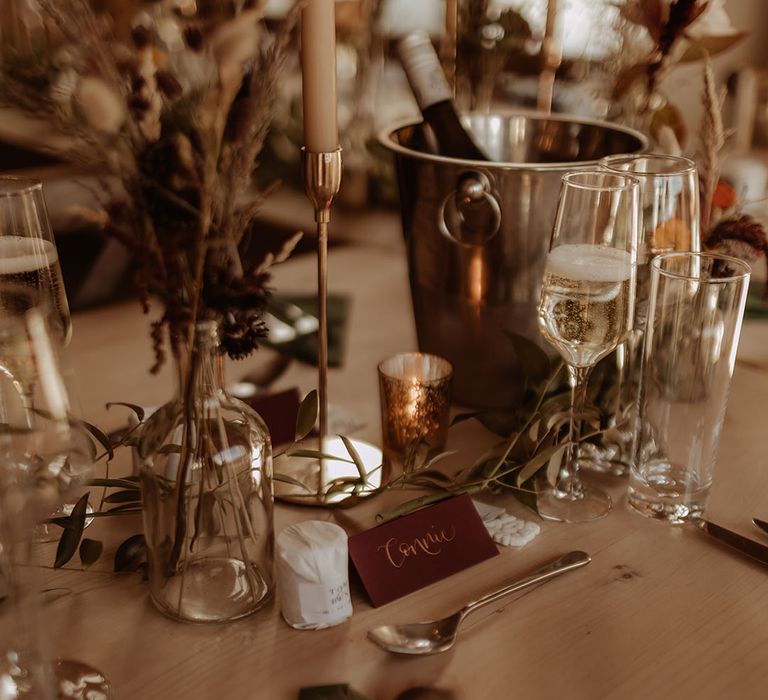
(433, 95)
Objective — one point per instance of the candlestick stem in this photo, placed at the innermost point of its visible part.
(322, 332)
(322, 180)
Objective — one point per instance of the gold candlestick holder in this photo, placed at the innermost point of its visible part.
(324, 479)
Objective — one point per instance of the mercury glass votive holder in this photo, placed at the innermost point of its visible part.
(415, 392)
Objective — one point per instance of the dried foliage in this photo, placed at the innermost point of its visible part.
(670, 26)
(712, 142)
(177, 114)
(739, 235)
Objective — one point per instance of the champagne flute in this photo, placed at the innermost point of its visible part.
(586, 309)
(44, 454)
(669, 205)
(28, 256)
(29, 260)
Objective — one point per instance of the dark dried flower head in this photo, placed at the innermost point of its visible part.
(240, 334)
(743, 228)
(168, 85)
(193, 38)
(741, 236)
(141, 36)
(137, 103)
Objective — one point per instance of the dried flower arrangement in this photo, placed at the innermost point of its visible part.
(657, 36)
(176, 115)
(683, 31)
(172, 109)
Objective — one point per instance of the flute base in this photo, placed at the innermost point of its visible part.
(552, 504)
(76, 680)
(298, 479)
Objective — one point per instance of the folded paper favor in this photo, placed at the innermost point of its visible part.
(312, 575)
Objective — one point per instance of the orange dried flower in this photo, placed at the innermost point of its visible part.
(724, 197)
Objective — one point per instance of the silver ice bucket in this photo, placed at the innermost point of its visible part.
(477, 234)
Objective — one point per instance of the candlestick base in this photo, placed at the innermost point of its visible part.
(333, 482)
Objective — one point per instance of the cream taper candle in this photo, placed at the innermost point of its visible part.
(318, 68)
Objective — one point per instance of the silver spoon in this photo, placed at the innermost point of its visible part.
(440, 635)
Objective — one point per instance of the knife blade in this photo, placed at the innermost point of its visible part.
(754, 550)
(761, 524)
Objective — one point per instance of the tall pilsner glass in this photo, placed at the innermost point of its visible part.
(669, 214)
(28, 255)
(586, 309)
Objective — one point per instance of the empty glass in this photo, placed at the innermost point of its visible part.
(669, 204)
(44, 454)
(695, 306)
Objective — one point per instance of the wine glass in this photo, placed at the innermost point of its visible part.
(669, 206)
(45, 453)
(28, 255)
(586, 309)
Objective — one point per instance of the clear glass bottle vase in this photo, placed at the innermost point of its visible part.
(206, 480)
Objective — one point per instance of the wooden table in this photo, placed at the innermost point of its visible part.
(660, 612)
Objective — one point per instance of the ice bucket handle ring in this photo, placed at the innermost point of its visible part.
(470, 215)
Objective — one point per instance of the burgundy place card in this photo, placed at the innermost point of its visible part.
(406, 554)
(279, 411)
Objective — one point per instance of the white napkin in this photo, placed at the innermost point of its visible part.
(312, 575)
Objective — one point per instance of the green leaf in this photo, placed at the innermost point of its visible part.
(154, 432)
(553, 469)
(123, 509)
(138, 410)
(284, 478)
(527, 498)
(355, 455)
(416, 453)
(113, 483)
(461, 417)
(533, 465)
(434, 474)
(170, 448)
(342, 485)
(132, 495)
(73, 532)
(413, 504)
(501, 423)
(90, 551)
(131, 554)
(316, 454)
(307, 415)
(101, 438)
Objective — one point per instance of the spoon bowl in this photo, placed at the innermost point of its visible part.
(440, 635)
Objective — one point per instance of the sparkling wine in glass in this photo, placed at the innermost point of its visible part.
(669, 214)
(586, 309)
(28, 256)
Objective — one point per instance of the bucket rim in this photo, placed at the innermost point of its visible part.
(385, 139)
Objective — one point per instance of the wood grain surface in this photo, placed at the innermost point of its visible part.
(661, 612)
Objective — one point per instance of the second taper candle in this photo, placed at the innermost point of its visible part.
(318, 68)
